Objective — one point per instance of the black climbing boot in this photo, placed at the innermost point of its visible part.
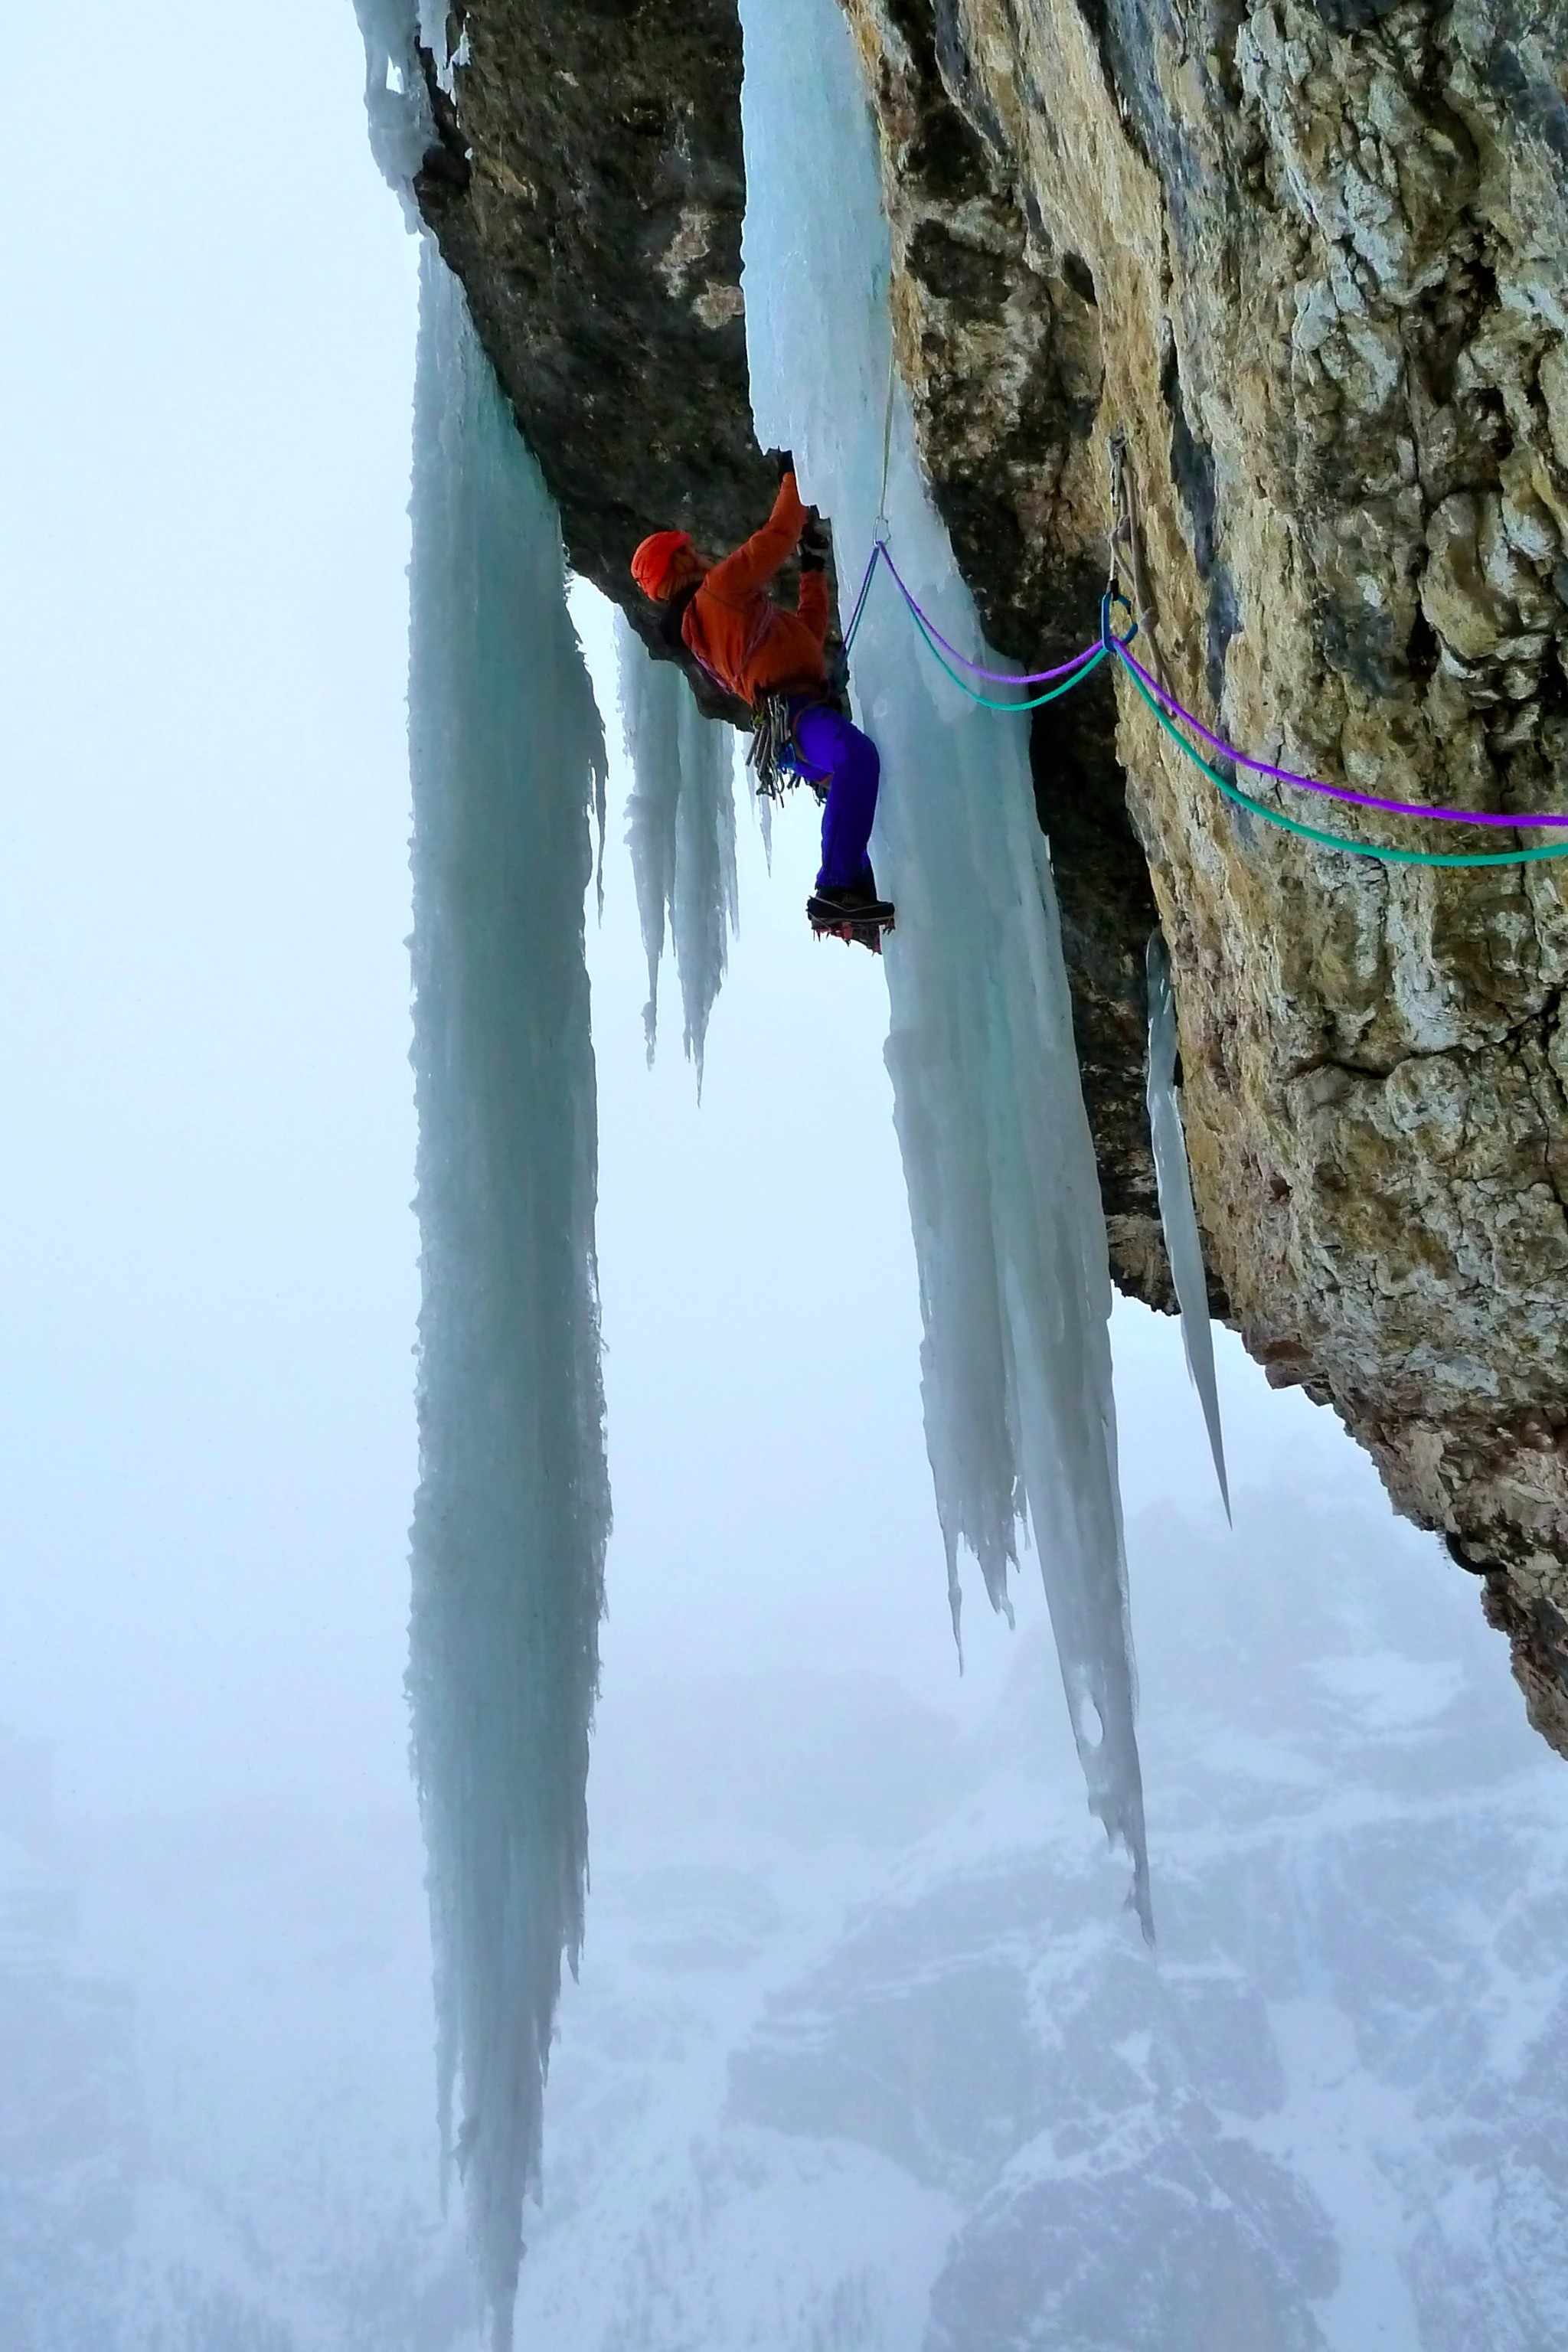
(856, 913)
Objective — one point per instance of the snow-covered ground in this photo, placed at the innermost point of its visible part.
(867, 2055)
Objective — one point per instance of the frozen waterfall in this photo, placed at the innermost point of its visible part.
(1003, 1195)
(398, 119)
(512, 1512)
(1183, 1245)
(680, 830)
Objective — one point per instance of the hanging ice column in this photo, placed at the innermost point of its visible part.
(513, 1515)
(680, 822)
(1004, 1197)
(1178, 1216)
(512, 1512)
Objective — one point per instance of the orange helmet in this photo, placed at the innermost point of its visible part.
(663, 562)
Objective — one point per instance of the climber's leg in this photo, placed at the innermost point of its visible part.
(836, 748)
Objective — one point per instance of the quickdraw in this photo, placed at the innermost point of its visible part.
(771, 754)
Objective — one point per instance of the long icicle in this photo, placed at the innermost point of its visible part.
(1003, 1193)
(512, 1518)
(1184, 1243)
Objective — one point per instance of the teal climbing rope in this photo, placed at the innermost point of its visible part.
(1080, 666)
(1084, 665)
(988, 702)
(1332, 840)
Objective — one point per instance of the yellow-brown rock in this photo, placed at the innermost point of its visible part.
(1298, 276)
(1308, 266)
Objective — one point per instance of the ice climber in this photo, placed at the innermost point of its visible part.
(772, 661)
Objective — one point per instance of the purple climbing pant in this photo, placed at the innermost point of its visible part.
(831, 748)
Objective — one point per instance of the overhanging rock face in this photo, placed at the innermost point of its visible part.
(588, 190)
(1309, 266)
(1328, 253)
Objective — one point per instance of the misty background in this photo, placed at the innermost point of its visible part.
(865, 2051)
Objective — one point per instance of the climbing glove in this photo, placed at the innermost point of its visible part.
(813, 544)
(784, 460)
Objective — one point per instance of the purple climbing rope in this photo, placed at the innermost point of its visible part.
(1517, 819)
(1002, 676)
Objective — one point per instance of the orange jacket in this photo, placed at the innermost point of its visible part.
(734, 628)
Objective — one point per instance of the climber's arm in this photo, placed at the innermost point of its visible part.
(812, 605)
(749, 570)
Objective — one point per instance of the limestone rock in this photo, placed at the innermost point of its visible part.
(1297, 274)
(588, 191)
(1330, 276)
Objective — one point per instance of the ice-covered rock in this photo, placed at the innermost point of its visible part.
(1009, 1231)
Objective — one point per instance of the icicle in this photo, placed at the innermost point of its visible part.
(435, 16)
(681, 834)
(647, 725)
(1183, 1245)
(1003, 1192)
(397, 101)
(705, 908)
(512, 1512)
(763, 812)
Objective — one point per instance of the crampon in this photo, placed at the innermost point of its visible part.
(859, 922)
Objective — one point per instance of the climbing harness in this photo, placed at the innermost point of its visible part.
(1152, 690)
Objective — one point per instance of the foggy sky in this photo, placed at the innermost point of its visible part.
(209, 1283)
(208, 1274)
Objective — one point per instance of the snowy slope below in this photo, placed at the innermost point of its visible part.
(872, 2059)
(919, 2087)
